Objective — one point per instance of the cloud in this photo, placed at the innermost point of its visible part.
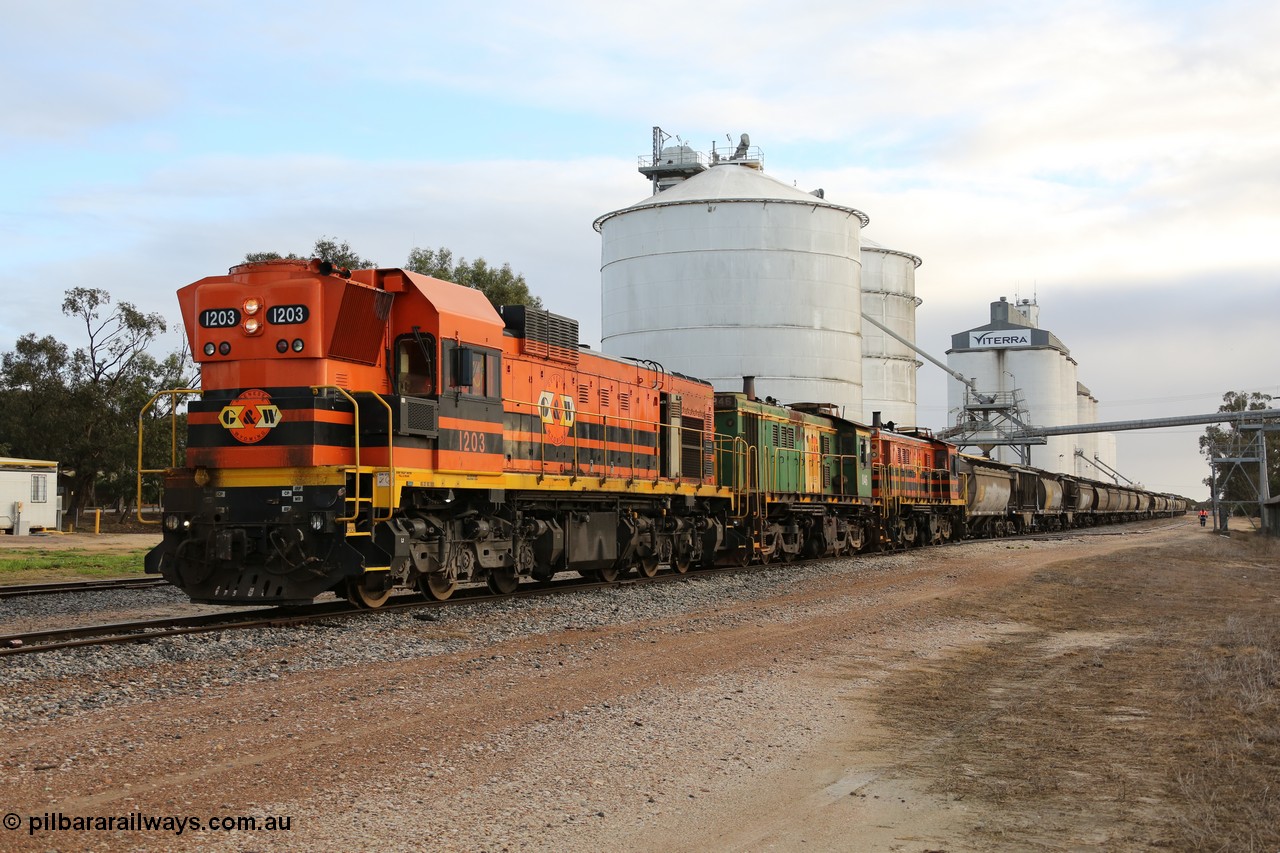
(199, 217)
(1117, 158)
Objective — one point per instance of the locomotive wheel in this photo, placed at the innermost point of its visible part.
(361, 596)
(646, 566)
(680, 562)
(503, 581)
(608, 575)
(909, 535)
(436, 587)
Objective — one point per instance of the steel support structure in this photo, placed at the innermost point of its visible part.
(1237, 457)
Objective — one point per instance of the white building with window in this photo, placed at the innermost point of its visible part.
(28, 495)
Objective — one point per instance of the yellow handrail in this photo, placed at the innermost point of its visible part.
(391, 463)
(173, 440)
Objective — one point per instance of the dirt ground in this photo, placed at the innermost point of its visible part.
(112, 543)
(1117, 692)
(115, 534)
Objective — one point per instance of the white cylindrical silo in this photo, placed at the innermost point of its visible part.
(1086, 413)
(732, 273)
(1107, 449)
(889, 366)
(1041, 373)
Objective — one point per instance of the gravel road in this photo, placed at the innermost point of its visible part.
(737, 712)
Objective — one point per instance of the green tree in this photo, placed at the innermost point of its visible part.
(1240, 483)
(499, 284)
(80, 407)
(259, 257)
(341, 255)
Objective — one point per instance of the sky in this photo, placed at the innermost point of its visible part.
(1117, 161)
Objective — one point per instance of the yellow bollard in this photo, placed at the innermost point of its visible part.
(97, 521)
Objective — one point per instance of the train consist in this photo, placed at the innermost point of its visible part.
(371, 430)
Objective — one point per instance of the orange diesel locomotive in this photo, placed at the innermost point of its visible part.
(419, 437)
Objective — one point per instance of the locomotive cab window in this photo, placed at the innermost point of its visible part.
(416, 365)
(475, 371)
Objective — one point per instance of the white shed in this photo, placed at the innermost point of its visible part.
(28, 495)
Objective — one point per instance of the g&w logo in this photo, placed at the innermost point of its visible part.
(250, 416)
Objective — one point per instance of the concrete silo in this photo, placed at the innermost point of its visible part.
(1011, 357)
(889, 366)
(1087, 443)
(730, 273)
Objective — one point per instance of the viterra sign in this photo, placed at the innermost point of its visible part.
(1000, 338)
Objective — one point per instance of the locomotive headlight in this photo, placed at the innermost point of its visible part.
(252, 305)
(210, 348)
(252, 326)
(317, 521)
(297, 345)
(172, 522)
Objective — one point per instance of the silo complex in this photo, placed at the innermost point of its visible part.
(730, 273)
(889, 366)
(1012, 359)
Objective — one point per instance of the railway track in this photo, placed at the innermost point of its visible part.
(278, 617)
(148, 630)
(14, 590)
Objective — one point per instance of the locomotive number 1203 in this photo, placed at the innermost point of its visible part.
(287, 315)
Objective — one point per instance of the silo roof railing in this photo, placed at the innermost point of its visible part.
(813, 202)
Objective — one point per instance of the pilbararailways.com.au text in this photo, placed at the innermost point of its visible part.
(139, 822)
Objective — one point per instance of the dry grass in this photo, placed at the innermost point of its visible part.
(1231, 700)
(1138, 708)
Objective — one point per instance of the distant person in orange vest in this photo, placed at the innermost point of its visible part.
(1204, 516)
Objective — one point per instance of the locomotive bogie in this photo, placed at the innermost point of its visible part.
(280, 543)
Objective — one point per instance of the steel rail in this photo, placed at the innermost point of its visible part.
(17, 589)
(275, 617)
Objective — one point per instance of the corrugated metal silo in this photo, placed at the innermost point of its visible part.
(888, 366)
(731, 273)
